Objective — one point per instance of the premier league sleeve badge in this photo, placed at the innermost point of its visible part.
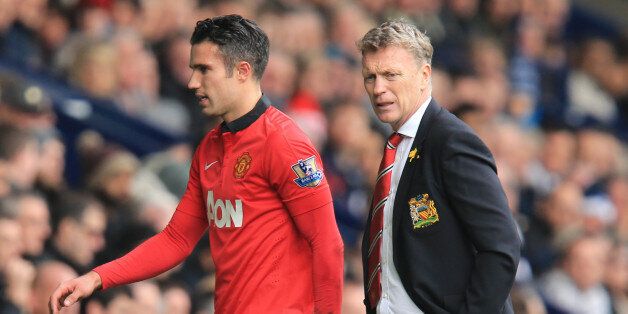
(422, 211)
(307, 172)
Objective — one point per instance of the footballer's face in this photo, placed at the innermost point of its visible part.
(396, 83)
(215, 88)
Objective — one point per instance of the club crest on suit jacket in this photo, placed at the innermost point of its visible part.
(422, 211)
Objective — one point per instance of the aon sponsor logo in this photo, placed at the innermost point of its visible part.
(224, 213)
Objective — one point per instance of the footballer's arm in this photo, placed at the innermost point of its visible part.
(319, 227)
(159, 253)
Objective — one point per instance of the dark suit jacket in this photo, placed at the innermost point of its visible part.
(466, 261)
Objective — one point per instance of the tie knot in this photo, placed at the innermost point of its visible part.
(394, 140)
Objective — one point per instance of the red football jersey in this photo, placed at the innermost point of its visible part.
(251, 183)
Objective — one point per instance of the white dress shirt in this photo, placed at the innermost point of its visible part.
(395, 299)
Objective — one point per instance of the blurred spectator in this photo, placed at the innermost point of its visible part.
(174, 73)
(349, 22)
(298, 31)
(425, 14)
(7, 17)
(556, 218)
(313, 89)
(616, 277)
(313, 123)
(622, 95)
(54, 31)
(171, 166)
(526, 300)
(442, 82)
(525, 73)
(111, 180)
(176, 300)
(50, 180)
(19, 160)
(147, 295)
(618, 195)
(279, 78)
(34, 218)
(16, 274)
(598, 156)
(78, 223)
(488, 62)
(461, 22)
(93, 18)
(48, 276)
(159, 18)
(112, 177)
(553, 14)
(351, 295)
(94, 68)
(138, 85)
(22, 39)
(510, 142)
(556, 160)
(500, 19)
(25, 105)
(591, 84)
(570, 289)
(125, 14)
(370, 157)
(116, 300)
(154, 203)
(347, 127)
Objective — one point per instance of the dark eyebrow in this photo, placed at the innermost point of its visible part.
(198, 66)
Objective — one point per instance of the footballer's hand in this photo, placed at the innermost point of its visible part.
(69, 292)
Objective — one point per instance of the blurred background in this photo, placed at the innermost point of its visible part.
(97, 130)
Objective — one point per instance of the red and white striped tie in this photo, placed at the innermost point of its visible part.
(380, 195)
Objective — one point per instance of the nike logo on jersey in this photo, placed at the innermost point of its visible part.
(209, 165)
(223, 213)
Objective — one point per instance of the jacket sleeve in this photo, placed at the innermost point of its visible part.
(476, 195)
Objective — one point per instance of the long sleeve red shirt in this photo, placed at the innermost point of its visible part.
(258, 184)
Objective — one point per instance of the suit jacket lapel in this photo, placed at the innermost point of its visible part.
(426, 122)
(407, 176)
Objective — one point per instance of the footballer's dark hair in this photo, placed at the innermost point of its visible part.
(238, 38)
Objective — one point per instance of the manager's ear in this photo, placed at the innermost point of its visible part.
(243, 71)
(426, 75)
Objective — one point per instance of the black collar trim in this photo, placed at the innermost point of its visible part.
(247, 119)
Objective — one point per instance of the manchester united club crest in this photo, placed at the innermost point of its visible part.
(243, 163)
(307, 173)
(422, 211)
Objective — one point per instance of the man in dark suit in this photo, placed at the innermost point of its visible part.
(440, 236)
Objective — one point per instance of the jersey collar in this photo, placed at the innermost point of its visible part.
(247, 119)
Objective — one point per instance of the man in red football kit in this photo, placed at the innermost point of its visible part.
(256, 181)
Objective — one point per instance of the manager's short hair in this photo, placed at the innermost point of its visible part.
(398, 33)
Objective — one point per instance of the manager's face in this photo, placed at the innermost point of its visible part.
(396, 83)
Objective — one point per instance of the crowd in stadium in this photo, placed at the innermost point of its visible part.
(543, 82)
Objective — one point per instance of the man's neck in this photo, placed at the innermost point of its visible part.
(246, 103)
(424, 97)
